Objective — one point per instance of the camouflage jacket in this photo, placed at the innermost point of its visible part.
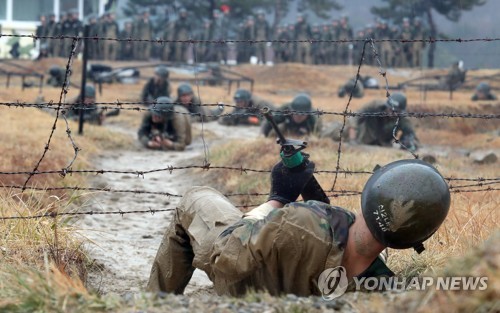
(379, 130)
(199, 113)
(152, 90)
(285, 252)
(246, 116)
(288, 127)
(176, 127)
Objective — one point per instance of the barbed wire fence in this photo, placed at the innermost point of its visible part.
(477, 184)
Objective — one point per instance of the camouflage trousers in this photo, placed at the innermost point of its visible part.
(283, 253)
(200, 217)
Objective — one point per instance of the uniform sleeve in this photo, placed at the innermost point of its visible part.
(145, 130)
(182, 126)
(145, 92)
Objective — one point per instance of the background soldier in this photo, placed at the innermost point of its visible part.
(110, 31)
(352, 87)
(186, 98)
(302, 34)
(157, 86)
(376, 130)
(344, 33)
(455, 77)
(483, 92)
(166, 127)
(418, 47)
(262, 33)
(247, 111)
(295, 124)
(127, 47)
(383, 33)
(181, 31)
(143, 30)
(406, 48)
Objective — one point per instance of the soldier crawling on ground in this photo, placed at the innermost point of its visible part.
(199, 113)
(352, 87)
(483, 92)
(377, 130)
(295, 119)
(91, 113)
(247, 110)
(166, 126)
(157, 86)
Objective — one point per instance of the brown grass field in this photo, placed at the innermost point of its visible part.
(46, 251)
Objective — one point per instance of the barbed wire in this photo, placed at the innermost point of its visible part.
(344, 120)
(62, 99)
(53, 106)
(161, 41)
(338, 193)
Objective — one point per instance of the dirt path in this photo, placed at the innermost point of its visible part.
(123, 248)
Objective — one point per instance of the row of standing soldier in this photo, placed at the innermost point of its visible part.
(256, 31)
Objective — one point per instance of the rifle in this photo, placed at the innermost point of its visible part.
(292, 157)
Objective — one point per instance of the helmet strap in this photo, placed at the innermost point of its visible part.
(419, 248)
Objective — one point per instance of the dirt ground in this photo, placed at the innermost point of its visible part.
(123, 248)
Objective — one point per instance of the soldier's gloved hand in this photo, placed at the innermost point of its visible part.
(287, 184)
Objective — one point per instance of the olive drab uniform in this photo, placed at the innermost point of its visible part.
(199, 113)
(181, 31)
(91, 114)
(246, 116)
(152, 90)
(272, 254)
(379, 130)
(111, 30)
(303, 48)
(418, 47)
(144, 30)
(288, 127)
(126, 47)
(406, 58)
(176, 127)
(344, 33)
(262, 33)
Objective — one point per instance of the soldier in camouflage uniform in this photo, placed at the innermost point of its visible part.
(317, 54)
(385, 49)
(186, 98)
(110, 31)
(376, 130)
(483, 92)
(181, 31)
(262, 33)
(352, 87)
(166, 126)
(247, 111)
(418, 47)
(157, 86)
(283, 246)
(127, 47)
(295, 124)
(91, 114)
(406, 48)
(344, 33)
(302, 33)
(142, 30)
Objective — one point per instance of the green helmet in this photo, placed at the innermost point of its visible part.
(483, 87)
(302, 103)
(162, 71)
(162, 107)
(242, 95)
(184, 89)
(89, 91)
(397, 101)
(404, 203)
